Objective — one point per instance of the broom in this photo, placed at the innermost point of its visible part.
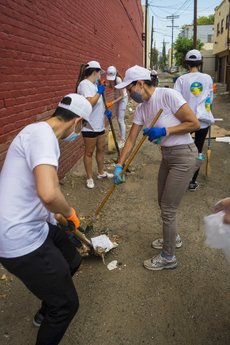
(208, 155)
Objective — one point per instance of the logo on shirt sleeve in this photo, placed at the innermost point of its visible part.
(196, 88)
(208, 104)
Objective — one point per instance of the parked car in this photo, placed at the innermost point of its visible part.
(174, 69)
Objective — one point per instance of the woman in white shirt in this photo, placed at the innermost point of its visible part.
(197, 90)
(94, 138)
(179, 153)
(120, 101)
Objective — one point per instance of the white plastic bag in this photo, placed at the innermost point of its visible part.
(217, 233)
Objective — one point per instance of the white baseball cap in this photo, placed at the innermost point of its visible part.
(193, 55)
(133, 74)
(111, 73)
(78, 105)
(94, 64)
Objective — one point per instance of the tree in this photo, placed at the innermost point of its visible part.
(181, 46)
(155, 54)
(163, 58)
(209, 20)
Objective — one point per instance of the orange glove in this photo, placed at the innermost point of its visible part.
(109, 104)
(74, 218)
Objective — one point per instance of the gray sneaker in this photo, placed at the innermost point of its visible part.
(158, 244)
(38, 318)
(158, 263)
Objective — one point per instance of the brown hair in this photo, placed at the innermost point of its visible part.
(84, 73)
(118, 75)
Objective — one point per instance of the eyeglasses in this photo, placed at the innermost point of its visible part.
(131, 86)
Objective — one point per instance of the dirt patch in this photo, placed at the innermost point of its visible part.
(130, 305)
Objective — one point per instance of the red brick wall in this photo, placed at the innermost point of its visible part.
(42, 45)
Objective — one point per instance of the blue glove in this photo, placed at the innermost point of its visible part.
(155, 133)
(117, 178)
(109, 114)
(100, 89)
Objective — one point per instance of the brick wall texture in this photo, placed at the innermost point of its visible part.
(42, 45)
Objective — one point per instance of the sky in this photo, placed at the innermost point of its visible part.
(160, 9)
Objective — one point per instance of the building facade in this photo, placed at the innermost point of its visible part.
(205, 33)
(221, 46)
(42, 45)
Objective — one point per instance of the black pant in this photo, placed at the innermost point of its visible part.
(199, 140)
(47, 273)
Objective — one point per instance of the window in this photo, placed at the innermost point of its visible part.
(218, 29)
(222, 26)
(209, 39)
(227, 21)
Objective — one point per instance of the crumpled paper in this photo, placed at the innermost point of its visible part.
(104, 242)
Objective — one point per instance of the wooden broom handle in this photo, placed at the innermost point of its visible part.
(132, 156)
(63, 221)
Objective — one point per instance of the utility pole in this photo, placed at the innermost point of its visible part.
(151, 46)
(195, 25)
(157, 56)
(172, 17)
(146, 29)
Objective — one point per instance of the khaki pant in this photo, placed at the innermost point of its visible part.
(176, 170)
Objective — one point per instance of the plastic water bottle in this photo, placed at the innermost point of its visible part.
(201, 156)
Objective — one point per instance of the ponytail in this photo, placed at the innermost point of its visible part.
(118, 75)
(84, 73)
(81, 75)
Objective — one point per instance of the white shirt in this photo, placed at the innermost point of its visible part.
(23, 226)
(170, 101)
(122, 92)
(196, 88)
(96, 119)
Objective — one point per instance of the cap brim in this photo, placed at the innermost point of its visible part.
(110, 77)
(123, 84)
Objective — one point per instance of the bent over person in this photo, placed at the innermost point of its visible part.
(172, 132)
(32, 247)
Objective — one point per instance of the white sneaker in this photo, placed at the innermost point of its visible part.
(158, 263)
(158, 244)
(90, 183)
(104, 175)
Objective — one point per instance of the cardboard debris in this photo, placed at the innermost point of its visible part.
(223, 140)
(217, 131)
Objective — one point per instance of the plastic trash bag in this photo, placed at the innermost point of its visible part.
(217, 233)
